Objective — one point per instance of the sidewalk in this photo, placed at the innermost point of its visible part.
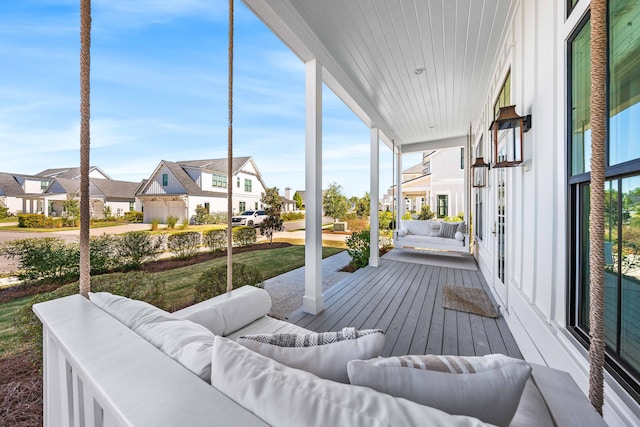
(287, 290)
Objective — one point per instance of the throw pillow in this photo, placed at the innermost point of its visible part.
(462, 227)
(402, 232)
(184, 341)
(283, 396)
(488, 388)
(448, 229)
(459, 236)
(324, 354)
(435, 229)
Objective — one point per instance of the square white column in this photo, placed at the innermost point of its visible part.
(374, 190)
(313, 301)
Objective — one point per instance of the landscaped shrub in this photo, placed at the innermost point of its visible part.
(137, 285)
(32, 220)
(184, 245)
(134, 216)
(171, 222)
(215, 239)
(292, 216)
(136, 247)
(426, 213)
(358, 248)
(357, 224)
(103, 253)
(154, 224)
(244, 236)
(4, 212)
(46, 258)
(213, 282)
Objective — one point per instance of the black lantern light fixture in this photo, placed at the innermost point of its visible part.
(480, 171)
(507, 133)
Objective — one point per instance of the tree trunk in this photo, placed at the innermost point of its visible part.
(85, 139)
(230, 158)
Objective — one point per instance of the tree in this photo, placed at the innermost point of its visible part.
(71, 209)
(298, 199)
(334, 203)
(363, 206)
(273, 208)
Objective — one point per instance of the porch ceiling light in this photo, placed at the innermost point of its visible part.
(507, 135)
(480, 171)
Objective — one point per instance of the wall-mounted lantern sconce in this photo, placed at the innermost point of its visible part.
(480, 171)
(507, 134)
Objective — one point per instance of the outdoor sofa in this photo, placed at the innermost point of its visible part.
(141, 366)
(431, 234)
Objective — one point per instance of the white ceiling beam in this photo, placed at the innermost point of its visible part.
(418, 147)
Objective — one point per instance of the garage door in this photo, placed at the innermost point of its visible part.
(177, 209)
(154, 210)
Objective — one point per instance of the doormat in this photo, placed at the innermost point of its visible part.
(469, 300)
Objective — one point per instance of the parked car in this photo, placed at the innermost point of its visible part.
(249, 218)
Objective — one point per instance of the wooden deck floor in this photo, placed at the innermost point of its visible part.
(405, 300)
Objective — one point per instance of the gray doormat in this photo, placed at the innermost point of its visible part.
(469, 300)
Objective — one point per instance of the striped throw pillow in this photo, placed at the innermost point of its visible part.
(448, 229)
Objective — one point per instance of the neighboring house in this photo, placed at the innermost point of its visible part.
(176, 188)
(288, 204)
(437, 182)
(22, 193)
(119, 196)
(46, 191)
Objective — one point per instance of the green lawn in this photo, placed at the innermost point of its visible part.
(181, 282)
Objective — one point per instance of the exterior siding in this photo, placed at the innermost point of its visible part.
(156, 187)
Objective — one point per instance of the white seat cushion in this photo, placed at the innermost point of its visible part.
(182, 340)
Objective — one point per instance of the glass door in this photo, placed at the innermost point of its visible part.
(500, 238)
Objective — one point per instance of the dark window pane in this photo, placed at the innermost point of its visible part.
(630, 271)
(624, 81)
(580, 93)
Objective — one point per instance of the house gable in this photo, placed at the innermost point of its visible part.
(165, 182)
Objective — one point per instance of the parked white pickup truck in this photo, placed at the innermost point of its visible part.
(249, 218)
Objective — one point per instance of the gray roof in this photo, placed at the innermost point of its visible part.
(419, 168)
(70, 186)
(68, 173)
(112, 189)
(9, 186)
(210, 165)
(215, 165)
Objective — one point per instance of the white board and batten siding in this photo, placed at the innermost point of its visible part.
(535, 302)
(173, 185)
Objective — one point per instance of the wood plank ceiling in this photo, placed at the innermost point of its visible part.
(418, 69)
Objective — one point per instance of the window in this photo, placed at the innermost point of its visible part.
(247, 185)
(504, 98)
(165, 179)
(461, 157)
(43, 185)
(426, 170)
(207, 207)
(219, 180)
(479, 218)
(238, 182)
(132, 206)
(443, 205)
(622, 192)
(570, 5)
(256, 206)
(242, 206)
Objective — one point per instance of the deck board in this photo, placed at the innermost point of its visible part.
(405, 300)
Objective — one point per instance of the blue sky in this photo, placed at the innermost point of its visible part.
(159, 91)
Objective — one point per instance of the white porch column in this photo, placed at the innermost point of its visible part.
(313, 301)
(399, 198)
(374, 255)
